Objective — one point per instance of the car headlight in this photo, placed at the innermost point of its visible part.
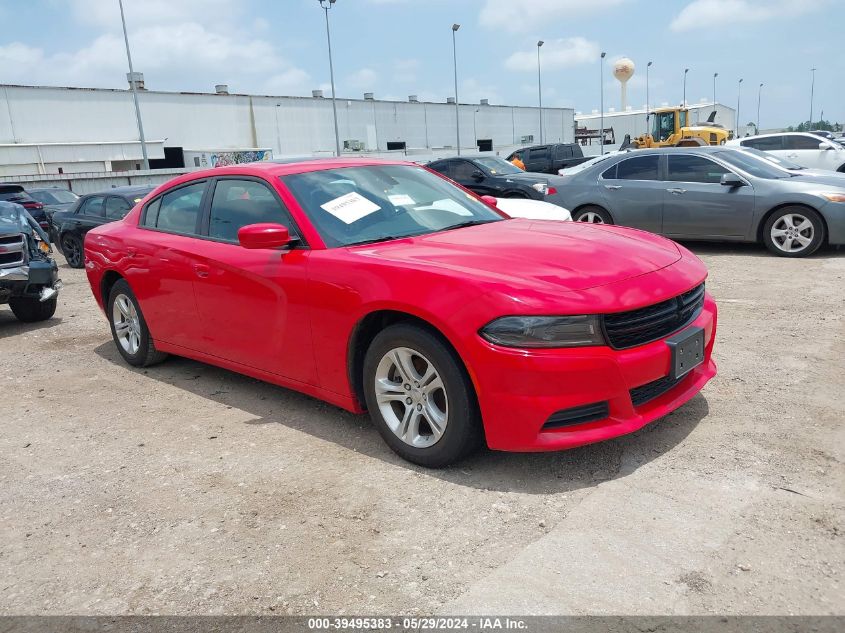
(544, 331)
(833, 197)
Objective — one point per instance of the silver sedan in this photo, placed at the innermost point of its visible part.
(710, 193)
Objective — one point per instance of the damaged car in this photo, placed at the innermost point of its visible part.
(29, 277)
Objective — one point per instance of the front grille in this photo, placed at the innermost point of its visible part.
(12, 250)
(638, 327)
(577, 415)
(653, 389)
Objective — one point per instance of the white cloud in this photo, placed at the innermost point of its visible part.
(560, 53)
(472, 91)
(363, 79)
(701, 12)
(525, 15)
(185, 45)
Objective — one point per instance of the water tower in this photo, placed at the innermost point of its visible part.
(623, 70)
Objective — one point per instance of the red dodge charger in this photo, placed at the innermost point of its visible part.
(385, 287)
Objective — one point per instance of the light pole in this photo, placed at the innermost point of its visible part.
(738, 95)
(812, 87)
(540, 89)
(146, 160)
(714, 89)
(647, 109)
(326, 5)
(684, 102)
(455, 28)
(759, 97)
(601, 102)
(474, 131)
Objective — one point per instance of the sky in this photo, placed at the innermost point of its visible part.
(396, 48)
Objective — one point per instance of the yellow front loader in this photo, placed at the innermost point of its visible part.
(670, 128)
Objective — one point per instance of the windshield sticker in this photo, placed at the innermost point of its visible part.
(400, 199)
(350, 207)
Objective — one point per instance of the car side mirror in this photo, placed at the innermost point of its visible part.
(266, 235)
(477, 175)
(491, 201)
(825, 146)
(731, 180)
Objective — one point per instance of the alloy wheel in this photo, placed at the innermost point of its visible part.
(592, 217)
(127, 324)
(412, 397)
(72, 251)
(792, 233)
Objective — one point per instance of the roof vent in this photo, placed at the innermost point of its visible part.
(368, 96)
(485, 102)
(317, 94)
(136, 79)
(450, 99)
(221, 89)
(413, 99)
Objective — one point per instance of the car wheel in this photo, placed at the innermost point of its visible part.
(794, 232)
(129, 329)
(31, 309)
(420, 397)
(593, 215)
(516, 194)
(72, 249)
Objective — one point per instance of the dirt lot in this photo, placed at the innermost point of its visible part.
(189, 489)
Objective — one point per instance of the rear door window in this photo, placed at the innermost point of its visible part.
(116, 208)
(462, 170)
(637, 168)
(177, 211)
(766, 144)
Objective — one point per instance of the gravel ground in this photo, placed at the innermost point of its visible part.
(186, 489)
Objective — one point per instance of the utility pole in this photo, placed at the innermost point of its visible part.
(132, 82)
(540, 89)
(326, 5)
(601, 79)
(455, 28)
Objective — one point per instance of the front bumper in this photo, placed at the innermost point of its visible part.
(520, 390)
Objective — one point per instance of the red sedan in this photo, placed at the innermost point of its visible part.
(383, 286)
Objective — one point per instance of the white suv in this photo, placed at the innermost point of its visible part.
(803, 148)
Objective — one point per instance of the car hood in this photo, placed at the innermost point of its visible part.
(547, 255)
(819, 177)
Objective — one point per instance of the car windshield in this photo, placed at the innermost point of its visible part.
(356, 205)
(775, 160)
(59, 196)
(753, 165)
(498, 166)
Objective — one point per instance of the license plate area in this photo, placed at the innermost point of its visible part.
(687, 349)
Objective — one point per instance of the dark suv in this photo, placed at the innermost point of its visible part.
(18, 195)
(29, 277)
(548, 159)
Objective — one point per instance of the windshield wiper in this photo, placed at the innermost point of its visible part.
(461, 225)
(383, 238)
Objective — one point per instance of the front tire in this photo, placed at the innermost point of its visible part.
(420, 397)
(31, 310)
(129, 329)
(592, 215)
(794, 232)
(72, 250)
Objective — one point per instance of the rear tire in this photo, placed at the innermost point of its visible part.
(72, 250)
(794, 232)
(592, 214)
(420, 397)
(129, 329)
(31, 310)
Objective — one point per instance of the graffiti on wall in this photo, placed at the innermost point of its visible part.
(222, 159)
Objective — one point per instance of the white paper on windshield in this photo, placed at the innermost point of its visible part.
(350, 207)
(400, 199)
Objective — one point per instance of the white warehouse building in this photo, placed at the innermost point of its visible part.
(47, 133)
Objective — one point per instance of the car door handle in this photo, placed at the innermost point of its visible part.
(201, 270)
(792, 155)
(677, 191)
(613, 187)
